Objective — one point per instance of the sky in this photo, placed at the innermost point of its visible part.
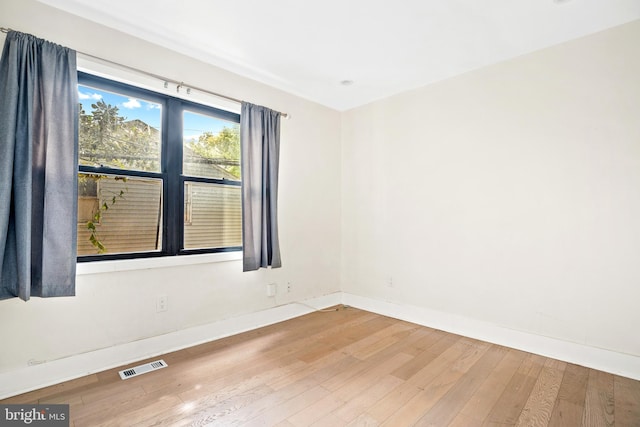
(148, 112)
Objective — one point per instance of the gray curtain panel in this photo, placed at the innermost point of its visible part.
(260, 142)
(38, 168)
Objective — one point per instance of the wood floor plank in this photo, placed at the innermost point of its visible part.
(462, 420)
(599, 400)
(316, 411)
(363, 420)
(258, 407)
(207, 369)
(344, 377)
(402, 346)
(627, 396)
(349, 367)
(109, 391)
(384, 408)
(316, 325)
(288, 408)
(537, 411)
(222, 388)
(326, 373)
(261, 369)
(111, 398)
(483, 400)
(410, 343)
(329, 421)
(337, 362)
(357, 335)
(436, 388)
(203, 412)
(447, 408)
(424, 338)
(357, 404)
(369, 376)
(509, 406)
(66, 398)
(423, 359)
(569, 405)
(128, 415)
(381, 344)
(440, 364)
(360, 348)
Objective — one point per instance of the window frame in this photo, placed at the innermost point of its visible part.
(170, 174)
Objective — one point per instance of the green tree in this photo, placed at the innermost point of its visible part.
(222, 148)
(95, 129)
(107, 139)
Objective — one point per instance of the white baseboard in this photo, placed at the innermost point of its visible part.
(604, 360)
(34, 377)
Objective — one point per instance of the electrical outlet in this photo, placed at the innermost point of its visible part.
(289, 286)
(162, 303)
(390, 282)
(271, 289)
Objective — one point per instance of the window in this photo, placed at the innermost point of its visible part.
(157, 175)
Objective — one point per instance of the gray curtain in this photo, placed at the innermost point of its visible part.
(260, 142)
(38, 168)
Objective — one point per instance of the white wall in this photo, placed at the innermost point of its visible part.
(509, 195)
(119, 307)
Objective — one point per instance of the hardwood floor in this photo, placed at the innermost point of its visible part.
(350, 367)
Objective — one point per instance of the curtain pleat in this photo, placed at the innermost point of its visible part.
(38, 168)
(260, 142)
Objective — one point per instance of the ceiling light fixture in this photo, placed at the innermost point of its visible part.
(347, 82)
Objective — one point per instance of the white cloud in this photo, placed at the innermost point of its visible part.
(131, 104)
(83, 96)
(191, 137)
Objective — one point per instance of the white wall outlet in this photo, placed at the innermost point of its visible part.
(271, 289)
(289, 286)
(390, 282)
(162, 303)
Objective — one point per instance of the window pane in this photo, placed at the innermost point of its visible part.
(211, 147)
(118, 131)
(212, 216)
(118, 214)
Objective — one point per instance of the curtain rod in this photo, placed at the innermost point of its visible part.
(156, 76)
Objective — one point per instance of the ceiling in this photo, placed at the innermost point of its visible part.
(384, 47)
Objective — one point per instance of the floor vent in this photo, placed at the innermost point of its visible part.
(142, 369)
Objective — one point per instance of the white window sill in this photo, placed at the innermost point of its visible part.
(97, 267)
